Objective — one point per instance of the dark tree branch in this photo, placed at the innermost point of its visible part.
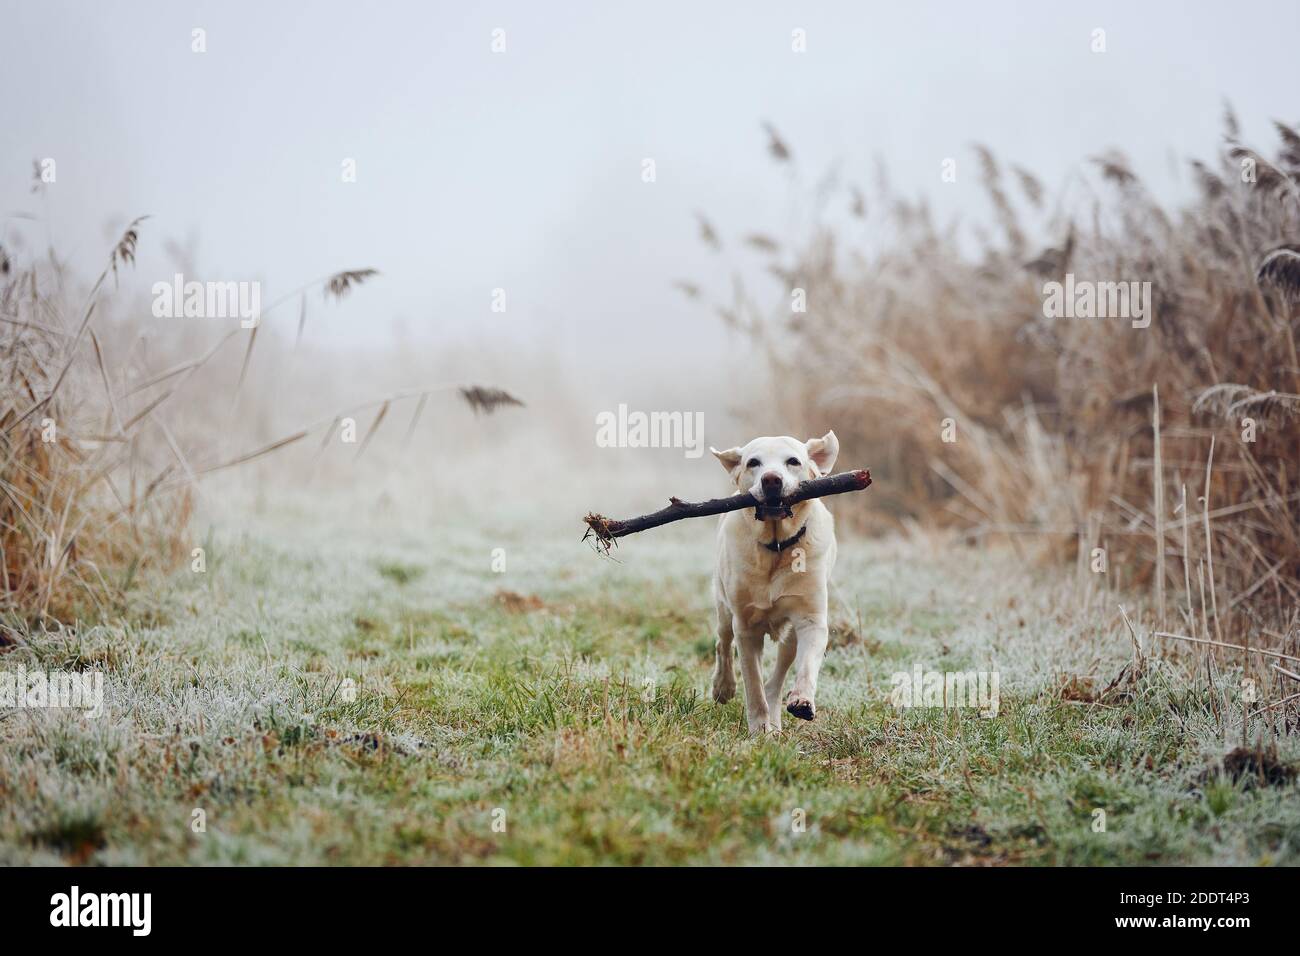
(605, 530)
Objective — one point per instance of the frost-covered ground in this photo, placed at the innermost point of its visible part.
(346, 685)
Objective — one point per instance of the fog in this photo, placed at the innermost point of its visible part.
(518, 176)
(522, 170)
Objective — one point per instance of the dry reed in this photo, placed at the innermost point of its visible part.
(1057, 419)
(96, 490)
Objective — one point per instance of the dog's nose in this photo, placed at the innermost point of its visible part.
(772, 485)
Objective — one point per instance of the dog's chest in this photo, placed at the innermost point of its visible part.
(760, 592)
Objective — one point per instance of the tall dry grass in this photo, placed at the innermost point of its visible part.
(1057, 442)
(106, 429)
(80, 513)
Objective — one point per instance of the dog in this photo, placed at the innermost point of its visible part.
(773, 570)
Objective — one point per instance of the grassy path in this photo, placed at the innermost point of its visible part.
(557, 713)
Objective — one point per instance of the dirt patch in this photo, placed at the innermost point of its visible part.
(1253, 768)
(517, 603)
(369, 741)
(972, 834)
(1077, 688)
(844, 634)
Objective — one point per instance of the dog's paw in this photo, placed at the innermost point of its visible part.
(801, 707)
(723, 690)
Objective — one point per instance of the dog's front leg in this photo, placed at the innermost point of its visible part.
(751, 654)
(724, 676)
(812, 634)
(785, 650)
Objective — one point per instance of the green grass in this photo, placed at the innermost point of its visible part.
(566, 702)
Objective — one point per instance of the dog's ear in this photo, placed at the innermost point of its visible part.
(823, 451)
(730, 458)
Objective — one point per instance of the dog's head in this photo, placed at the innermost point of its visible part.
(771, 468)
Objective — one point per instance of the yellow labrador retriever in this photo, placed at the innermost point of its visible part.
(773, 569)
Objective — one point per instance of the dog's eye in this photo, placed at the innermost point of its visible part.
(753, 463)
(792, 462)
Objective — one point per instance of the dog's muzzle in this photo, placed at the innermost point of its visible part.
(772, 508)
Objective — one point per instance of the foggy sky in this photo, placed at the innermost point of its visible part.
(522, 170)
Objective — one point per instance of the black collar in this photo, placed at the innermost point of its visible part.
(779, 546)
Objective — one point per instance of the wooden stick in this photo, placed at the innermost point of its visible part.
(605, 530)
